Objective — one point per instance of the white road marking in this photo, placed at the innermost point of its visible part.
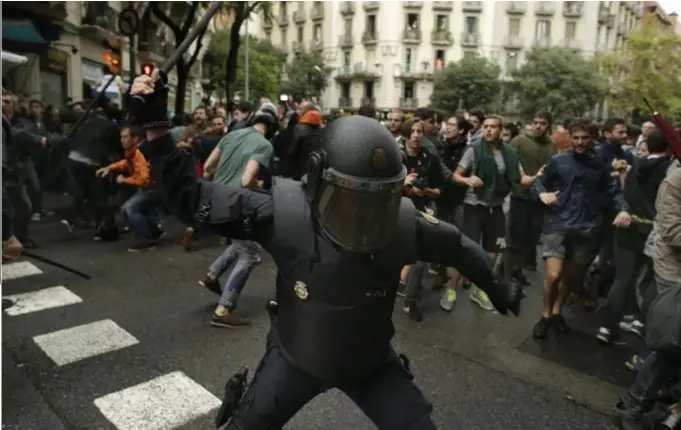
(163, 403)
(40, 300)
(78, 343)
(19, 270)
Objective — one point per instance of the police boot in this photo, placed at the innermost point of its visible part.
(234, 391)
(516, 296)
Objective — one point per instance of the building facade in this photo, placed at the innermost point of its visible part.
(71, 63)
(387, 53)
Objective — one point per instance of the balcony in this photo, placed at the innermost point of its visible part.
(441, 38)
(411, 35)
(267, 26)
(542, 42)
(345, 41)
(299, 16)
(409, 103)
(316, 45)
(573, 9)
(283, 47)
(369, 101)
(621, 29)
(545, 8)
(516, 8)
(100, 21)
(513, 41)
(602, 48)
(412, 4)
(317, 11)
(371, 6)
(470, 40)
(345, 102)
(369, 38)
(572, 44)
(347, 8)
(297, 46)
(52, 10)
(472, 6)
(603, 14)
(282, 20)
(444, 6)
(153, 49)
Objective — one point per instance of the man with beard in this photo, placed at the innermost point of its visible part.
(525, 216)
(574, 186)
(395, 121)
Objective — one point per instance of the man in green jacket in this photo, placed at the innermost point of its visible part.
(526, 216)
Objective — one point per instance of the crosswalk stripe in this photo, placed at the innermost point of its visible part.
(84, 341)
(166, 402)
(18, 270)
(40, 300)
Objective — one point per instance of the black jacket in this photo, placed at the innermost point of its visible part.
(305, 140)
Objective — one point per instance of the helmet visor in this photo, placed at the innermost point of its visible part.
(360, 215)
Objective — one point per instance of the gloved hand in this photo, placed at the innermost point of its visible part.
(147, 101)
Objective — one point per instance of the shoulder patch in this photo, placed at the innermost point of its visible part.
(431, 219)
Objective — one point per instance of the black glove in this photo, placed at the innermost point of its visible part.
(149, 110)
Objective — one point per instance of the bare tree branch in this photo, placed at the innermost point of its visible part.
(189, 20)
(195, 55)
(166, 19)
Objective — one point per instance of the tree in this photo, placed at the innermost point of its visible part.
(472, 82)
(180, 19)
(559, 81)
(647, 65)
(306, 76)
(241, 11)
(265, 62)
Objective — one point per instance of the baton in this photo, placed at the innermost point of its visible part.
(55, 264)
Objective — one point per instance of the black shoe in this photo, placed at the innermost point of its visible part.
(141, 247)
(413, 312)
(541, 329)
(213, 285)
(559, 324)
(520, 277)
(7, 303)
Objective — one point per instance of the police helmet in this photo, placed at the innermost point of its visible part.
(355, 183)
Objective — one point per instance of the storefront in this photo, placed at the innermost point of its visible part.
(53, 77)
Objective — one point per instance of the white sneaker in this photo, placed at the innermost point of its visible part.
(634, 327)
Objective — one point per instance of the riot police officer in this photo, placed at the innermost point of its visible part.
(339, 240)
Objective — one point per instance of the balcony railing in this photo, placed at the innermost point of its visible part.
(317, 11)
(371, 5)
(297, 46)
(299, 16)
(441, 37)
(344, 102)
(516, 7)
(603, 14)
(409, 103)
(345, 40)
(369, 101)
(153, 47)
(347, 8)
(411, 35)
(472, 6)
(101, 16)
(545, 8)
(443, 5)
(470, 39)
(573, 9)
(513, 41)
(413, 4)
(316, 45)
(573, 44)
(282, 20)
(369, 38)
(542, 42)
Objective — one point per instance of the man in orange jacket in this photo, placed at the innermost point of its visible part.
(139, 212)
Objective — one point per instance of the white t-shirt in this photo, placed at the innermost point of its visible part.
(114, 87)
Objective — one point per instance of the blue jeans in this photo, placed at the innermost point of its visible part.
(140, 213)
(656, 370)
(245, 252)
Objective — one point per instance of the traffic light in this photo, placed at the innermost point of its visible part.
(147, 69)
(113, 61)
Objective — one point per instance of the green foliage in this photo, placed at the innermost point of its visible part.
(472, 82)
(264, 66)
(559, 81)
(647, 65)
(306, 76)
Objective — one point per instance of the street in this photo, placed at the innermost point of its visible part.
(132, 349)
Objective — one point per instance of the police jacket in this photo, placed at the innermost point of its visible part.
(335, 307)
(17, 145)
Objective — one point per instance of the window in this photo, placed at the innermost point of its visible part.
(282, 8)
(469, 54)
(345, 90)
(511, 62)
(570, 30)
(441, 22)
(543, 29)
(300, 34)
(439, 59)
(407, 60)
(284, 37)
(471, 24)
(318, 32)
(371, 25)
(408, 91)
(348, 26)
(573, 6)
(514, 26)
(369, 89)
(346, 59)
(412, 21)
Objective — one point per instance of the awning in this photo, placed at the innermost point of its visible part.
(23, 32)
(14, 59)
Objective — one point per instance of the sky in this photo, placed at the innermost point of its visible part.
(670, 6)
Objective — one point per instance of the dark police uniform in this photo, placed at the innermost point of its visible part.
(331, 324)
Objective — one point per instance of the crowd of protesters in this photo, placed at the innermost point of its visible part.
(599, 202)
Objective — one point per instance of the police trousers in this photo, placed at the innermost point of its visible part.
(279, 390)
